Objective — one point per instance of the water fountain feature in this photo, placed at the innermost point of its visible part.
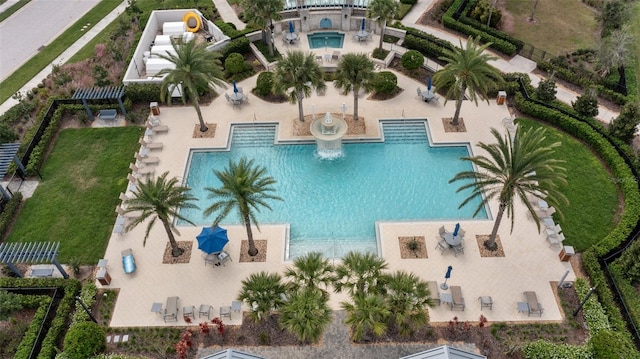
(328, 132)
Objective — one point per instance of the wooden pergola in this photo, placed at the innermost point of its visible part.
(100, 93)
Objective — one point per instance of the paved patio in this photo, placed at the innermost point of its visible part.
(528, 265)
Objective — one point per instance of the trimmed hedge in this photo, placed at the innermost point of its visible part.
(9, 212)
(30, 336)
(84, 340)
(465, 19)
(496, 43)
(71, 289)
(239, 45)
(592, 311)
(541, 349)
(143, 92)
(88, 297)
(608, 344)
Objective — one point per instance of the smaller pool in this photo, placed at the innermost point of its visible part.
(325, 39)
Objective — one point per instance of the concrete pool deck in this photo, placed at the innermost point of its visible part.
(528, 265)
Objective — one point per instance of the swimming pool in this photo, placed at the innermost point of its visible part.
(332, 206)
(325, 39)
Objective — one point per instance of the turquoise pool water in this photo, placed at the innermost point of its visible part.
(325, 39)
(332, 206)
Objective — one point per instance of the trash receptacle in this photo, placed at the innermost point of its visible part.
(566, 253)
(103, 276)
(502, 96)
(155, 109)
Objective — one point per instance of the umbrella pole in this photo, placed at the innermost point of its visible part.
(444, 285)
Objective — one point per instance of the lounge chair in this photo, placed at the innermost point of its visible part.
(144, 171)
(457, 300)
(335, 56)
(171, 310)
(535, 308)
(123, 212)
(155, 129)
(555, 240)
(434, 293)
(128, 261)
(146, 160)
(150, 145)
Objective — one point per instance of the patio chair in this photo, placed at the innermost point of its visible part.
(442, 231)
(442, 246)
(461, 232)
(225, 312)
(188, 312)
(236, 306)
(486, 302)
(458, 249)
(457, 300)
(171, 310)
(419, 92)
(205, 309)
(224, 257)
(434, 292)
(535, 308)
(335, 56)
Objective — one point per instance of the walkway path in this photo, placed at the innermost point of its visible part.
(335, 343)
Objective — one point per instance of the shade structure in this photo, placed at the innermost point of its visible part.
(448, 274)
(291, 28)
(363, 23)
(455, 230)
(429, 84)
(235, 88)
(212, 240)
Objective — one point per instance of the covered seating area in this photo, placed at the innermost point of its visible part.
(453, 241)
(31, 252)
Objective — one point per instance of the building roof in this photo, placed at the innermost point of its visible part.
(444, 352)
(232, 354)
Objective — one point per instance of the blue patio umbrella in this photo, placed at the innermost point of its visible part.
(455, 230)
(446, 276)
(362, 26)
(235, 88)
(291, 28)
(212, 240)
(429, 84)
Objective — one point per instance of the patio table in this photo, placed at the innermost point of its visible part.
(446, 298)
(452, 240)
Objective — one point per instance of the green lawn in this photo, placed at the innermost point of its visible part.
(593, 197)
(635, 30)
(20, 77)
(76, 199)
(560, 27)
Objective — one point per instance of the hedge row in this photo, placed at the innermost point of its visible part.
(427, 48)
(30, 336)
(426, 36)
(592, 311)
(465, 19)
(542, 349)
(88, 297)
(58, 326)
(239, 45)
(496, 43)
(627, 184)
(230, 30)
(9, 212)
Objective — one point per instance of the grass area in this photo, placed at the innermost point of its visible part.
(75, 201)
(12, 9)
(593, 197)
(635, 30)
(560, 27)
(20, 77)
(403, 10)
(264, 49)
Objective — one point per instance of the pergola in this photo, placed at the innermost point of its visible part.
(100, 93)
(8, 153)
(31, 252)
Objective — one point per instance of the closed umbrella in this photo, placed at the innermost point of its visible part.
(212, 240)
(455, 230)
(429, 84)
(235, 88)
(362, 26)
(291, 28)
(446, 276)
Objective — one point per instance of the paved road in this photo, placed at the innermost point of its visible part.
(35, 25)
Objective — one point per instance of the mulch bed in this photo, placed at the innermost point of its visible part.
(449, 127)
(407, 253)
(303, 128)
(209, 133)
(484, 252)
(185, 257)
(261, 244)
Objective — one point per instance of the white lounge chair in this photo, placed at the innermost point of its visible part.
(146, 160)
(144, 171)
(155, 129)
(151, 145)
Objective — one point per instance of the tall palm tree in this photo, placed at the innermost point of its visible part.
(310, 271)
(355, 73)
(306, 314)
(261, 13)
(196, 69)
(408, 298)
(298, 74)
(514, 169)
(383, 11)
(467, 69)
(160, 199)
(245, 187)
(360, 273)
(263, 292)
(367, 314)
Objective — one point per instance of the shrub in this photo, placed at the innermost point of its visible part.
(9, 303)
(385, 82)
(480, 13)
(84, 340)
(234, 64)
(608, 344)
(142, 92)
(10, 211)
(264, 84)
(546, 91)
(586, 105)
(624, 126)
(239, 45)
(412, 60)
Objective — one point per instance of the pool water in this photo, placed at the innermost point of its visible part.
(332, 206)
(325, 39)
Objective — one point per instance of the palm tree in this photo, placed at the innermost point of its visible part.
(261, 13)
(407, 298)
(360, 273)
(355, 72)
(245, 187)
(467, 69)
(298, 74)
(383, 11)
(367, 314)
(263, 292)
(196, 69)
(514, 169)
(310, 271)
(306, 314)
(160, 199)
